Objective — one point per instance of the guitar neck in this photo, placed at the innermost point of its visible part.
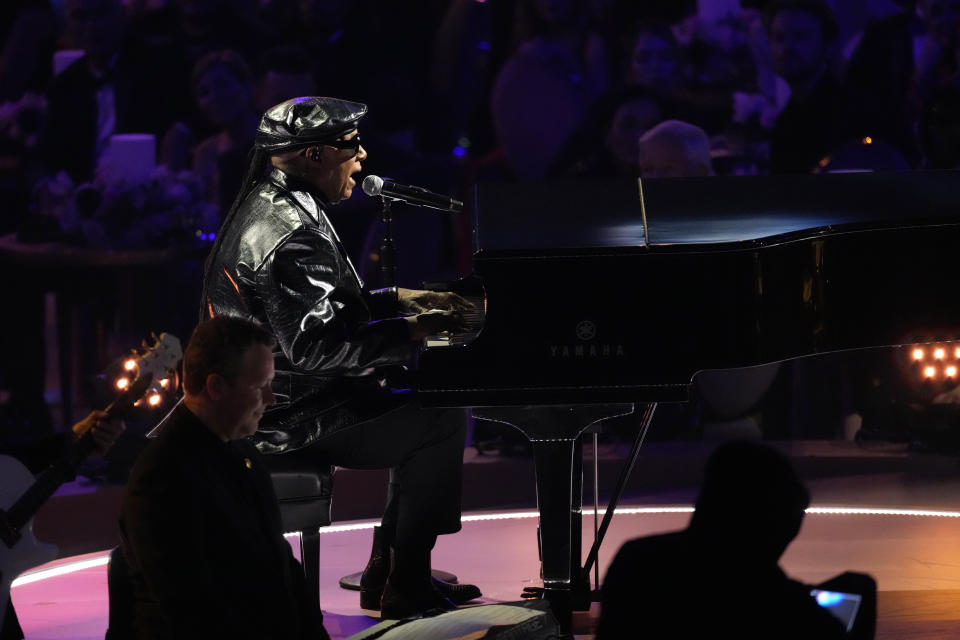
(47, 483)
(63, 469)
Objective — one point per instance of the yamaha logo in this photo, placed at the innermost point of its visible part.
(586, 330)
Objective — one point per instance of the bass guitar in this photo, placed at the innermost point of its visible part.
(146, 375)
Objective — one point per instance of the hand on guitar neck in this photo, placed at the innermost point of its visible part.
(101, 428)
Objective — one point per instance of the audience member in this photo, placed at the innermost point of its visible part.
(655, 60)
(890, 74)
(674, 149)
(27, 33)
(543, 91)
(223, 89)
(720, 577)
(605, 144)
(200, 522)
(817, 117)
(466, 45)
(112, 89)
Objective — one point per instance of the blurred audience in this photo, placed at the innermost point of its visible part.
(605, 144)
(282, 73)
(544, 89)
(27, 31)
(480, 90)
(223, 87)
(113, 88)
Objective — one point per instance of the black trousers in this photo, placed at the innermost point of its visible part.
(425, 446)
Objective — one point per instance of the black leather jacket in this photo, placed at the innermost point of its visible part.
(281, 263)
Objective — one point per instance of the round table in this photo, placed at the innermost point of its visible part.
(77, 274)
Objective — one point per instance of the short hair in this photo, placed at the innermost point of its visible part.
(218, 346)
(676, 133)
(752, 492)
(232, 61)
(817, 8)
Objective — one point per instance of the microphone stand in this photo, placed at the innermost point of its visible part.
(388, 251)
(388, 275)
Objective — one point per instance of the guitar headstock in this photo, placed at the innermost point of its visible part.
(151, 373)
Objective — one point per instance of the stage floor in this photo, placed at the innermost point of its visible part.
(914, 557)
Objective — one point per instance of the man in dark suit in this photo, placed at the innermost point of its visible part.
(200, 521)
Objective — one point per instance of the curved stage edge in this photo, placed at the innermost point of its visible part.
(912, 553)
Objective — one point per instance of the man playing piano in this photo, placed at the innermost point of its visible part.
(277, 259)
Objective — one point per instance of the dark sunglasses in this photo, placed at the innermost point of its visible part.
(353, 144)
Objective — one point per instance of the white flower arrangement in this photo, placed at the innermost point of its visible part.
(164, 210)
(21, 120)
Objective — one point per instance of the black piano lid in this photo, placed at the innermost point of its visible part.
(752, 210)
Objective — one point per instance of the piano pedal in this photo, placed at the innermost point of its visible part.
(532, 593)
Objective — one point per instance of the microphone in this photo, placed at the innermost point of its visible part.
(377, 186)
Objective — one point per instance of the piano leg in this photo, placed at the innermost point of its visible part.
(554, 432)
(559, 470)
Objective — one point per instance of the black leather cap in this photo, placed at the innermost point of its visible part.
(300, 122)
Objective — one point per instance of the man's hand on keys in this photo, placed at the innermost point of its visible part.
(417, 301)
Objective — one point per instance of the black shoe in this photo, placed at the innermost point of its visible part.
(370, 595)
(457, 593)
(375, 574)
(397, 604)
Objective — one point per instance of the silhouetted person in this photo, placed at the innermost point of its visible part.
(720, 577)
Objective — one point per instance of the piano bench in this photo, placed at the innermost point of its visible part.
(304, 488)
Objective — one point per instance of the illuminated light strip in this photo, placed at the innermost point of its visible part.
(60, 570)
(523, 515)
(101, 560)
(868, 511)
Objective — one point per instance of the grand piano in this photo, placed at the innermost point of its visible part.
(595, 297)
